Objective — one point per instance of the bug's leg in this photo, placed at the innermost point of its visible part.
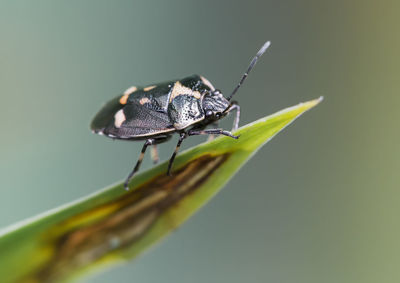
(154, 154)
(235, 106)
(212, 132)
(171, 160)
(137, 166)
(211, 137)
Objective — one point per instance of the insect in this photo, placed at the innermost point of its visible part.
(154, 113)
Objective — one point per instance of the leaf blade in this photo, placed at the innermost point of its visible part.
(113, 225)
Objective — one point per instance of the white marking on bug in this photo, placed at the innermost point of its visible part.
(119, 118)
(180, 89)
(130, 90)
(123, 100)
(149, 87)
(207, 83)
(196, 94)
(144, 100)
(97, 132)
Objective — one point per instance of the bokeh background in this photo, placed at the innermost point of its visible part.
(319, 203)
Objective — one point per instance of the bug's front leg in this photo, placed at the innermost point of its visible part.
(212, 132)
(214, 125)
(235, 106)
(138, 163)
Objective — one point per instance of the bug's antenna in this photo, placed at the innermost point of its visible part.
(252, 64)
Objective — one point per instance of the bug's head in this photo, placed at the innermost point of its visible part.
(214, 105)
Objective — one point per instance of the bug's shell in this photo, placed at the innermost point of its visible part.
(153, 111)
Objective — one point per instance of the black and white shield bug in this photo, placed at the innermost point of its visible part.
(154, 113)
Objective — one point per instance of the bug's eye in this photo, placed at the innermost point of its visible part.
(218, 115)
(209, 113)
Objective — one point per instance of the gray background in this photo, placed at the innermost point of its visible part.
(320, 203)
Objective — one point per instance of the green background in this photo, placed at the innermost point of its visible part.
(320, 203)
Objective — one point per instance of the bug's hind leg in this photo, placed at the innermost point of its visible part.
(171, 160)
(154, 154)
(138, 163)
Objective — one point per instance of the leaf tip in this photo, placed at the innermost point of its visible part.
(314, 102)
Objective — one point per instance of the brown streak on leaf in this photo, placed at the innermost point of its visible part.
(93, 235)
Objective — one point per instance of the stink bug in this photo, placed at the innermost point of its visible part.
(154, 113)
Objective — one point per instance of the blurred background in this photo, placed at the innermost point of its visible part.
(319, 203)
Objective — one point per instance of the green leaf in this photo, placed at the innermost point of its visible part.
(114, 225)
